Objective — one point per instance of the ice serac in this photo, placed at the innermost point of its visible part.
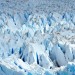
(35, 41)
(34, 53)
(56, 54)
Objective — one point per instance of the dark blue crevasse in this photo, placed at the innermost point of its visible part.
(21, 49)
(23, 59)
(61, 47)
(28, 34)
(12, 51)
(20, 53)
(37, 58)
(20, 67)
(49, 21)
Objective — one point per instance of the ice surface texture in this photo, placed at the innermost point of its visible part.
(41, 42)
(35, 41)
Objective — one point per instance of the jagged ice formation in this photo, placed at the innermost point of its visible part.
(35, 41)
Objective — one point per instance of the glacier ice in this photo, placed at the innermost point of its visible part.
(32, 46)
(35, 41)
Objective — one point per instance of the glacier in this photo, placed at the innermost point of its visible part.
(37, 37)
